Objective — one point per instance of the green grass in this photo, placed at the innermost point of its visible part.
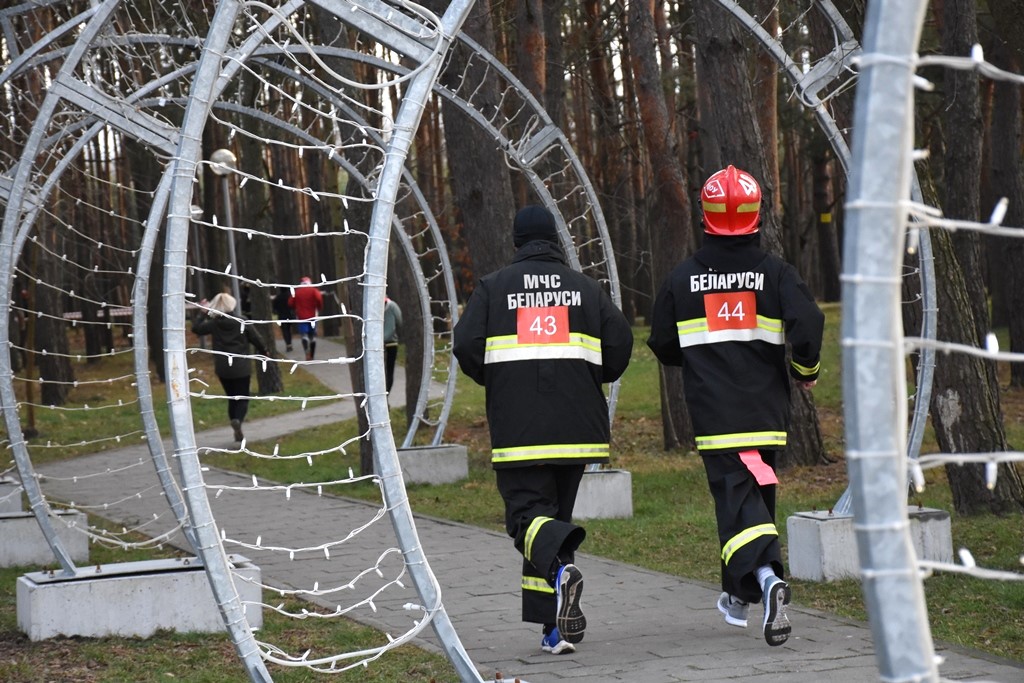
(671, 502)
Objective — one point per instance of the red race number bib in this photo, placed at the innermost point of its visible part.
(543, 325)
(731, 311)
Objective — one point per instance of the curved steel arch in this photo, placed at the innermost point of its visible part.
(18, 197)
(208, 77)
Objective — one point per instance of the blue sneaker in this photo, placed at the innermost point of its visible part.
(569, 616)
(555, 644)
(776, 623)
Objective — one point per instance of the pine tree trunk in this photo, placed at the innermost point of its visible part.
(722, 59)
(1006, 254)
(481, 187)
(964, 408)
(669, 236)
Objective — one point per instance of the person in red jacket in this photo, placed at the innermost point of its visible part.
(726, 315)
(542, 338)
(307, 301)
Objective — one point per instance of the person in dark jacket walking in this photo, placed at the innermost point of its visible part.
(231, 341)
(392, 333)
(285, 315)
(725, 315)
(542, 338)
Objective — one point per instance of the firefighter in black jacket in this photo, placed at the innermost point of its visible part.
(542, 338)
(725, 315)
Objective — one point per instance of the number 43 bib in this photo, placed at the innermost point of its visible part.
(542, 325)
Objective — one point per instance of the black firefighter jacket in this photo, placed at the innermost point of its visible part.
(725, 315)
(542, 338)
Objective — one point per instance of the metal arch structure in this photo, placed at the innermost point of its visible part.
(540, 138)
(528, 137)
(807, 86)
(149, 132)
(873, 351)
(160, 139)
(209, 77)
(209, 81)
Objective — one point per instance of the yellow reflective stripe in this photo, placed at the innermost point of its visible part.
(804, 370)
(533, 583)
(531, 533)
(503, 349)
(741, 440)
(749, 207)
(695, 331)
(745, 537)
(770, 324)
(711, 207)
(691, 326)
(566, 451)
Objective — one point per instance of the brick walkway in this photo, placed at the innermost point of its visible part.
(644, 626)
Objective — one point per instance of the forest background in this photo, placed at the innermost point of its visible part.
(654, 96)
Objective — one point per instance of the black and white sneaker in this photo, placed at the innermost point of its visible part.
(776, 623)
(569, 616)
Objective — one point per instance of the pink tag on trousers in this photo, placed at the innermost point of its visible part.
(759, 468)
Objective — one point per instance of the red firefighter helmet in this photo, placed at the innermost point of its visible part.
(731, 199)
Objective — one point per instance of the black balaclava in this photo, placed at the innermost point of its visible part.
(533, 223)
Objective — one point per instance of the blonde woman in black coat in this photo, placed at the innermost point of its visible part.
(231, 341)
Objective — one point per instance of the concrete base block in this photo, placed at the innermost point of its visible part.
(131, 599)
(22, 543)
(823, 546)
(10, 495)
(442, 464)
(605, 494)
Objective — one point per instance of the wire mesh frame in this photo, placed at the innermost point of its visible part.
(140, 304)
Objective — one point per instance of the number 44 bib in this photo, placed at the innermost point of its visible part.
(730, 311)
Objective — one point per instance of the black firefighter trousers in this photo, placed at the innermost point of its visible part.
(539, 500)
(745, 511)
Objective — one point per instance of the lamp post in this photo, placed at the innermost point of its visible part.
(224, 164)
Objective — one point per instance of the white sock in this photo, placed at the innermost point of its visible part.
(764, 573)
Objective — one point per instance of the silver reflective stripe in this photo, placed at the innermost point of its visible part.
(507, 348)
(694, 332)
